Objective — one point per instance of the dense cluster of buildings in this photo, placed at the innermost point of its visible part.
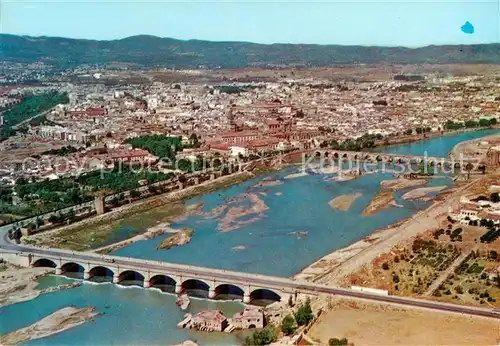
(259, 117)
(215, 321)
(477, 209)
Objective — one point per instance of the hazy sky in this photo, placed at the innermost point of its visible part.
(402, 22)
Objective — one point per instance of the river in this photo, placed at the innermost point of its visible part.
(263, 243)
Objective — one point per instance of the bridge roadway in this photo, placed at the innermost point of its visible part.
(284, 284)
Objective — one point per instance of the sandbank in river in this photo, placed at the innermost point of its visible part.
(422, 192)
(344, 202)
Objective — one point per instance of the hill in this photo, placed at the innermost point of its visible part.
(149, 51)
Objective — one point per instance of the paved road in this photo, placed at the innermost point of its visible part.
(253, 279)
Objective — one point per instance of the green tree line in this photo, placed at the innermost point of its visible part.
(30, 106)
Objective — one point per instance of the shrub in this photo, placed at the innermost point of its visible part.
(385, 266)
(304, 314)
(288, 325)
(338, 342)
(262, 337)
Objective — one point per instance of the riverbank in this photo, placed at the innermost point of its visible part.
(105, 230)
(152, 232)
(56, 322)
(21, 284)
(407, 139)
(475, 148)
(422, 192)
(333, 268)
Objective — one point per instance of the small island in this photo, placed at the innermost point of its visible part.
(381, 201)
(344, 202)
(181, 237)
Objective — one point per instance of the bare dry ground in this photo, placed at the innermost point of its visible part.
(375, 324)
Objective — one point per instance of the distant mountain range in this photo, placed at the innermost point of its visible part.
(150, 51)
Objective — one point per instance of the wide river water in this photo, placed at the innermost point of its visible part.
(263, 242)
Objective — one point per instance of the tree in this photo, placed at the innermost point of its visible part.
(290, 301)
(53, 218)
(288, 325)
(262, 337)
(135, 194)
(70, 215)
(194, 140)
(152, 189)
(39, 222)
(495, 197)
(493, 255)
(304, 315)
(385, 266)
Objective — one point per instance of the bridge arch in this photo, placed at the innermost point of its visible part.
(345, 156)
(72, 268)
(44, 262)
(264, 296)
(230, 291)
(379, 158)
(131, 277)
(196, 287)
(335, 155)
(100, 273)
(163, 282)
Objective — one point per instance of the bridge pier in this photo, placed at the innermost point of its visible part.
(211, 293)
(246, 298)
(86, 275)
(116, 279)
(58, 271)
(178, 288)
(146, 283)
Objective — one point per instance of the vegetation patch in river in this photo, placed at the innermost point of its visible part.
(179, 238)
(381, 201)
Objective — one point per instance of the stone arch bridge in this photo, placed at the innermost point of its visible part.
(155, 274)
(121, 268)
(391, 158)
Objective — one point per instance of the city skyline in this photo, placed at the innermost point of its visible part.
(402, 23)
